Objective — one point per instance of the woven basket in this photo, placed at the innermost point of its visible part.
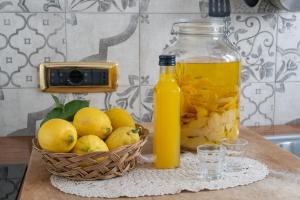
(86, 167)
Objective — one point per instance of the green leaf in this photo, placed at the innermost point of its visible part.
(55, 98)
(72, 107)
(66, 111)
(54, 113)
(57, 102)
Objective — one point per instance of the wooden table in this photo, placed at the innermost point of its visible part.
(15, 150)
(36, 185)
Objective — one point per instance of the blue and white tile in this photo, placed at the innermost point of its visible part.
(287, 108)
(103, 6)
(257, 104)
(26, 41)
(32, 6)
(113, 37)
(155, 36)
(288, 50)
(254, 36)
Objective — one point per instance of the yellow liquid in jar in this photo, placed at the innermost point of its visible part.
(209, 102)
(166, 122)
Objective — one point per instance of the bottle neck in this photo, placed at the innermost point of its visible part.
(167, 72)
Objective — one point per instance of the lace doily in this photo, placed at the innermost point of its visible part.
(148, 181)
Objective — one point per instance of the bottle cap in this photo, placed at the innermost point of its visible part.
(167, 60)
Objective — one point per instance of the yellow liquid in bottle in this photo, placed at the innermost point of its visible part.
(209, 102)
(167, 122)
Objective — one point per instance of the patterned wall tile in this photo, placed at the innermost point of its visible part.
(287, 108)
(263, 6)
(112, 37)
(17, 104)
(197, 6)
(26, 41)
(109, 6)
(173, 6)
(126, 97)
(154, 38)
(22, 117)
(147, 103)
(32, 6)
(288, 50)
(255, 38)
(257, 104)
(104, 29)
(253, 35)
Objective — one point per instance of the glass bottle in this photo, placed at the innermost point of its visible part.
(166, 116)
(208, 73)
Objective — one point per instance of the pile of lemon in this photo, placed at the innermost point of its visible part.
(91, 130)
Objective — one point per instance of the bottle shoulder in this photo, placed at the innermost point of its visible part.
(167, 85)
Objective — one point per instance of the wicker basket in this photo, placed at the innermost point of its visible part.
(86, 167)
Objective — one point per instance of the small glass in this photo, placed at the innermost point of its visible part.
(234, 150)
(211, 161)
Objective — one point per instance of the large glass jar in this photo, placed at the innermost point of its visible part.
(208, 73)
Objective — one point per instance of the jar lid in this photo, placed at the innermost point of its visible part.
(198, 27)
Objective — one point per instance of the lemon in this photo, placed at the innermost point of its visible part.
(119, 118)
(57, 135)
(89, 143)
(92, 121)
(122, 136)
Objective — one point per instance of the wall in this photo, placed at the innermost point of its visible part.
(36, 31)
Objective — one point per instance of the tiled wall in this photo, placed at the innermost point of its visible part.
(134, 33)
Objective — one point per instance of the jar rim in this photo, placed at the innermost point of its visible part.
(198, 27)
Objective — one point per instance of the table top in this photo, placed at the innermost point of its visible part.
(37, 185)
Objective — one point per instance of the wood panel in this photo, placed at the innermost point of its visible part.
(15, 150)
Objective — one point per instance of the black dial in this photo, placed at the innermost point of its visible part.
(75, 77)
(251, 3)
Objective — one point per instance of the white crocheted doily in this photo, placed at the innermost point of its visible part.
(148, 181)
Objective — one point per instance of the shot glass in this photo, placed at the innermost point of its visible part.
(234, 150)
(211, 161)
